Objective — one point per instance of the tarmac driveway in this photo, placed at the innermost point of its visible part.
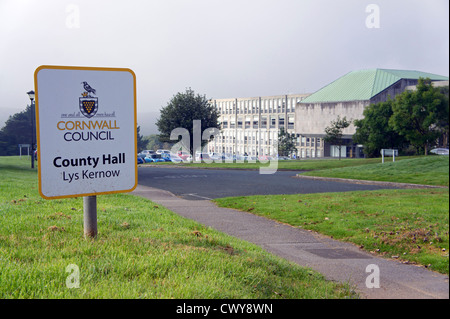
(201, 184)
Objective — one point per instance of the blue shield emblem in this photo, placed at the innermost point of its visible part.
(88, 106)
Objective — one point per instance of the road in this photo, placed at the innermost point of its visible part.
(201, 184)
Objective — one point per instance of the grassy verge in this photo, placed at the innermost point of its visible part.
(143, 251)
(409, 225)
(429, 170)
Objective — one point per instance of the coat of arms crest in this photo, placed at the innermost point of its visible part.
(88, 103)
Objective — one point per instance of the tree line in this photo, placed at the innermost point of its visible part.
(414, 121)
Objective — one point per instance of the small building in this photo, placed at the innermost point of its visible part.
(348, 96)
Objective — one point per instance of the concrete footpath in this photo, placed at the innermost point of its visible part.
(335, 260)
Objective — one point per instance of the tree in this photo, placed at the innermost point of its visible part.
(181, 112)
(444, 122)
(333, 133)
(17, 130)
(286, 143)
(374, 131)
(141, 142)
(421, 116)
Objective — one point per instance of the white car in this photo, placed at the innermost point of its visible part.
(440, 151)
(162, 152)
(201, 156)
(147, 152)
(174, 158)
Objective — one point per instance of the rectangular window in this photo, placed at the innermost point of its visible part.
(255, 122)
(263, 121)
(291, 122)
(281, 121)
(247, 122)
(239, 122)
(273, 122)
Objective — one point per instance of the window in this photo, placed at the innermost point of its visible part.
(255, 122)
(263, 121)
(290, 121)
(247, 122)
(281, 121)
(239, 122)
(273, 122)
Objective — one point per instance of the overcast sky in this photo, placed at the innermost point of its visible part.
(219, 48)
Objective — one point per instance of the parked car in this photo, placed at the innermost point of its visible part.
(440, 151)
(217, 157)
(140, 160)
(201, 156)
(185, 156)
(154, 158)
(148, 159)
(265, 158)
(147, 152)
(250, 158)
(162, 152)
(174, 158)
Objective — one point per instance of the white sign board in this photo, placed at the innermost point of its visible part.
(389, 152)
(86, 130)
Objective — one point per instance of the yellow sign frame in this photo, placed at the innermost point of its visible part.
(38, 127)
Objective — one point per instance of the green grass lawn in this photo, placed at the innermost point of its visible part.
(411, 225)
(428, 170)
(142, 251)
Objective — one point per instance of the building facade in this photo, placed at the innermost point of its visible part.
(250, 126)
(348, 96)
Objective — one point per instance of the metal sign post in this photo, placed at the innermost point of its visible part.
(90, 216)
(388, 152)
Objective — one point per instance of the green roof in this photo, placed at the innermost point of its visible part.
(365, 84)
